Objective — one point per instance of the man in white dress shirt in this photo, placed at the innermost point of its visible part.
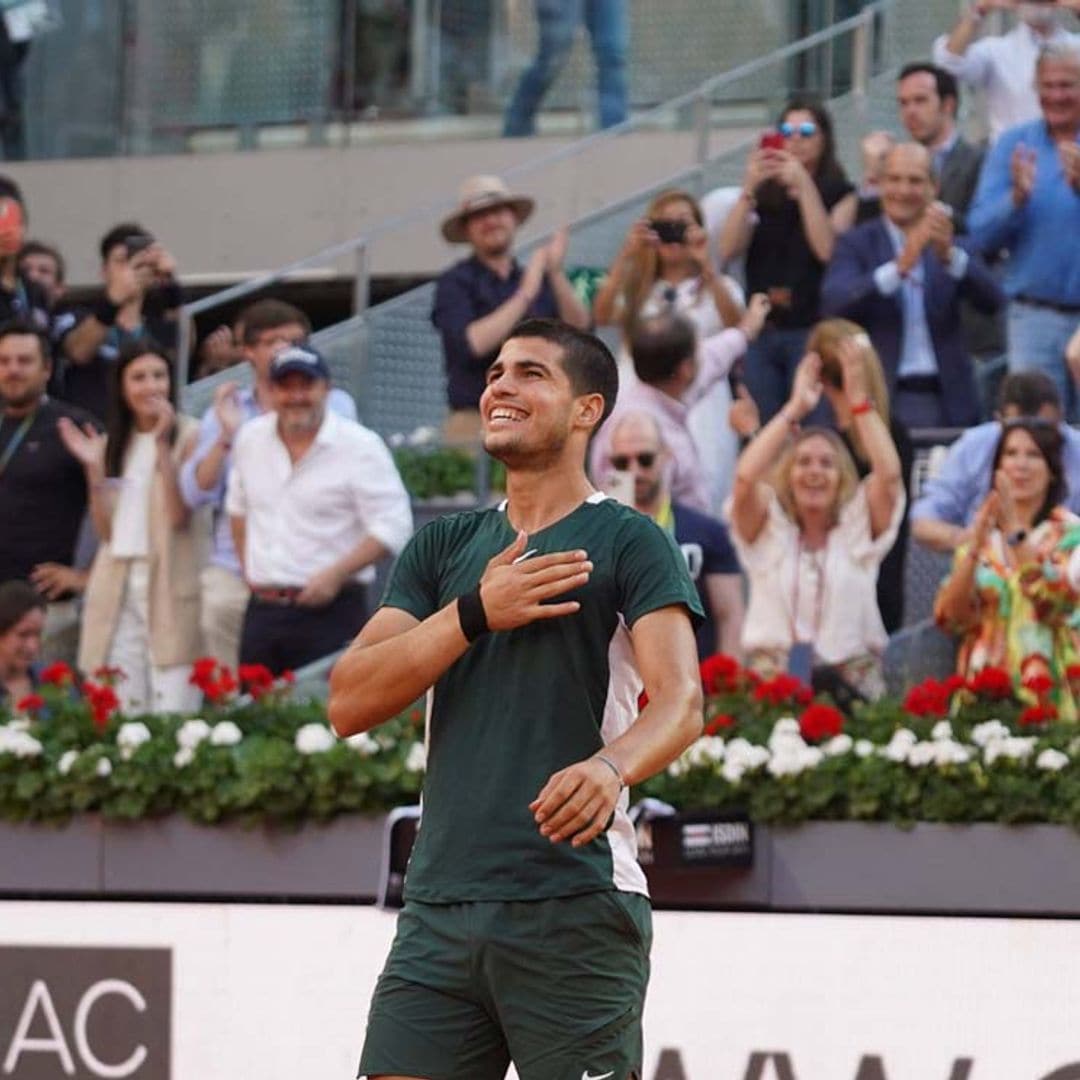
(315, 501)
(1004, 66)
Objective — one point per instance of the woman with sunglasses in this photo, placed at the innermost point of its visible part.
(795, 200)
(1013, 597)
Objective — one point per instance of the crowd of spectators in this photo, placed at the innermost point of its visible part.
(776, 358)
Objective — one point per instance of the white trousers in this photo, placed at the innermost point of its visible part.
(145, 688)
(224, 601)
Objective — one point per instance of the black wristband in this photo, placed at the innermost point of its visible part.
(471, 616)
(105, 311)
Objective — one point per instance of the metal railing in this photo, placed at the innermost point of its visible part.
(693, 113)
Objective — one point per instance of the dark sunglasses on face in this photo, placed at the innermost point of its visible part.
(806, 129)
(621, 462)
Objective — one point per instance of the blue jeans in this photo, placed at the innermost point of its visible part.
(1037, 340)
(770, 368)
(608, 24)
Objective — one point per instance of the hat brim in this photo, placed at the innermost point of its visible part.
(453, 228)
(310, 370)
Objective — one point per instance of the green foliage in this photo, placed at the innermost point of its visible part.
(444, 472)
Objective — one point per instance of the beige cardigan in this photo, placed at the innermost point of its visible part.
(176, 558)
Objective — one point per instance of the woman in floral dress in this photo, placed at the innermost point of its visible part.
(1013, 591)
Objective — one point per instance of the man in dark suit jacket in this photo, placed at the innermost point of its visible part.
(902, 277)
(928, 99)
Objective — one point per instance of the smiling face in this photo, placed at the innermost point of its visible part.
(21, 645)
(1058, 85)
(24, 371)
(907, 187)
(145, 386)
(1025, 467)
(529, 409)
(491, 231)
(806, 148)
(815, 476)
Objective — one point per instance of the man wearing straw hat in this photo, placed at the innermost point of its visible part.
(481, 298)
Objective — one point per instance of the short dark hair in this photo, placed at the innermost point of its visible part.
(10, 190)
(269, 314)
(1051, 444)
(1028, 392)
(660, 344)
(17, 598)
(118, 235)
(945, 82)
(24, 327)
(39, 247)
(586, 360)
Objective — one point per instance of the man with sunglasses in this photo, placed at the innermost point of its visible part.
(674, 372)
(637, 449)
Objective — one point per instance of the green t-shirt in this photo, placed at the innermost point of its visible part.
(522, 704)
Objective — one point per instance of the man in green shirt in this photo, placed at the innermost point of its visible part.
(533, 627)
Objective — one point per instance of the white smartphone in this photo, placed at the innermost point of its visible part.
(621, 486)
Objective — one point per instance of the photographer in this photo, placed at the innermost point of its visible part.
(142, 299)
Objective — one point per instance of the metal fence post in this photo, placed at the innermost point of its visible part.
(703, 133)
(362, 280)
(862, 44)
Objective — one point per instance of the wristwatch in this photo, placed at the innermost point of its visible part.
(1018, 536)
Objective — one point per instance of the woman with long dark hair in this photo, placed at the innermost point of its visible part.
(1013, 597)
(141, 611)
(795, 201)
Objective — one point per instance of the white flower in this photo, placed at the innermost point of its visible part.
(131, 736)
(225, 733)
(941, 730)
(741, 754)
(422, 436)
(17, 742)
(416, 761)
(395, 440)
(192, 732)
(989, 731)
(839, 745)
(786, 725)
(794, 761)
(314, 739)
(677, 767)
(864, 748)
(708, 750)
(183, 757)
(67, 760)
(922, 753)
(950, 752)
(363, 744)
(1015, 748)
(899, 746)
(1051, 760)
(732, 772)
(103, 767)
(785, 740)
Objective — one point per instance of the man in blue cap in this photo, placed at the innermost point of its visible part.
(314, 501)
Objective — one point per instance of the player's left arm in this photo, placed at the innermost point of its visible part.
(577, 802)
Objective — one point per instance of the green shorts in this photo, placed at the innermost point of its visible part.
(557, 986)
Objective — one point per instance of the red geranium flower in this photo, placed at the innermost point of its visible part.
(931, 697)
(1072, 672)
(102, 700)
(992, 682)
(57, 674)
(1037, 714)
(783, 688)
(215, 680)
(109, 675)
(30, 703)
(821, 722)
(718, 723)
(288, 678)
(1040, 683)
(719, 673)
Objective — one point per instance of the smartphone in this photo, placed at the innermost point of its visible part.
(669, 232)
(771, 140)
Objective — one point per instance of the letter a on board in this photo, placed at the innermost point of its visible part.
(781, 1066)
(670, 1066)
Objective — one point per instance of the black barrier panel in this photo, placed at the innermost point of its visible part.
(83, 1014)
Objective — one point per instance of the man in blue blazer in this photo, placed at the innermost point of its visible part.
(902, 277)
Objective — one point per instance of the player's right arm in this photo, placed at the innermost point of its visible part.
(397, 657)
